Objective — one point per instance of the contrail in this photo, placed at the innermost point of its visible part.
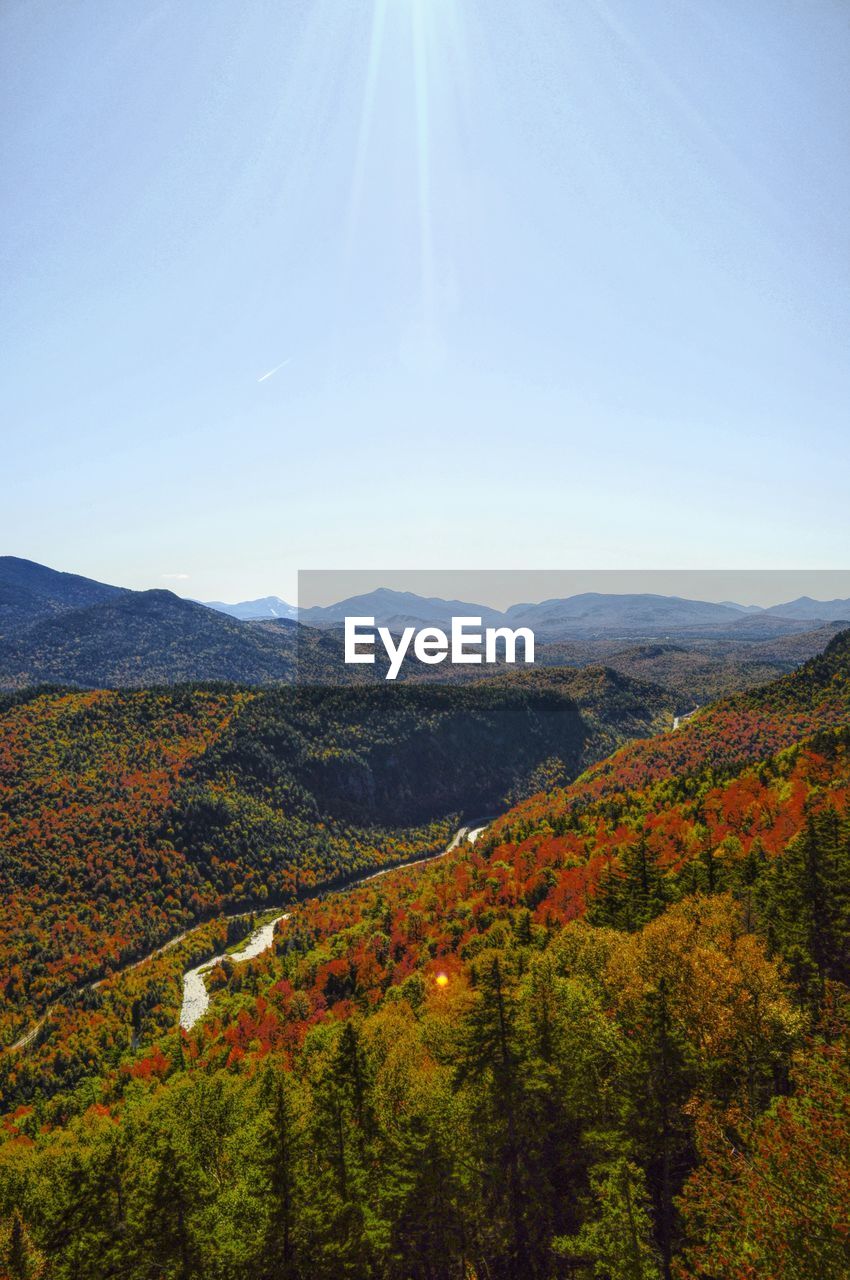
(275, 370)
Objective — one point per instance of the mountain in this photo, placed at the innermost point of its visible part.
(176, 803)
(608, 1037)
(810, 610)
(30, 592)
(698, 670)
(595, 612)
(743, 726)
(590, 613)
(398, 609)
(137, 638)
(798, 646)
(253, 610)
(767, 626)
(62, 628)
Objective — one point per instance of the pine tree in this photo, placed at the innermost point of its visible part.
(658, 1081)
(280, 1143)
(423, 1198)
(805, 902)
(617, 1244)
(351, 1070)
(169, 1235)
(491, 1064)
(19, 1258)
(745, 880)
(339, 1195)
(632, 893)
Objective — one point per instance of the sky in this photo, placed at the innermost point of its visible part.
(417, 283)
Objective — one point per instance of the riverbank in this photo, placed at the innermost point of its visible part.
(198, 993)
(196, 998)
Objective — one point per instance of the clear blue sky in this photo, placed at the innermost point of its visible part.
(556, 285)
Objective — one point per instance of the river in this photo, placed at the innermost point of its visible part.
(195, 995)
(196, 998)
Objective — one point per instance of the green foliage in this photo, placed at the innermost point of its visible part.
(618, 1243)
(771, 1196)
(805, 902)
(632, 893)
(447, 1073)
(126, 817)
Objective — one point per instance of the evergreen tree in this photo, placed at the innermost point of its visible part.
(805, 902)
(617, 1244)
(19, 1259)
(657, 1083)
(167, 1233)
(423, 1198)
(491, 1064)
(280, 1147)
(631, 893)
(745, 880)
(344, 1236)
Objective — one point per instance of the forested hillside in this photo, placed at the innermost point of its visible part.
(608, 1040)
(127, 816)
(697, 670)
(31, 592)
(139, 638)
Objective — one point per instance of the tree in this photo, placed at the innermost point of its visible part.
(617, 1244)
(281, 1151)
(490, 1063)
(19, 1258)
(632, 893)
(805, 901)
(343, 1236)
(771, 1197)
(657, 1083)
(168, 1230)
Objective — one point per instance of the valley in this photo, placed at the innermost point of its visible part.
(156, 810)
(251, 976)
(195, 998)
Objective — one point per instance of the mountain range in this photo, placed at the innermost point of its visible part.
(30, 592)
(807, 609)
(57, 628)
(590, 613)
(60, 628)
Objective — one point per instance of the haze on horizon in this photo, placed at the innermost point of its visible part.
(423, 282)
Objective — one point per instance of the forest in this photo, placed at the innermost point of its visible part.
(609, 1039)
(128, 816)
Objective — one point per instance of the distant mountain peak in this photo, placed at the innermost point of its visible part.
(255, 610)
(809, 610)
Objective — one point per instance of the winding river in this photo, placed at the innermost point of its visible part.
(196, 998)
(195, 995)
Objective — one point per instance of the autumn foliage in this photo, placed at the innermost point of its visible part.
(609, 1039)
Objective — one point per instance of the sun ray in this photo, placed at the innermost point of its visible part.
(367, 112)
(423, 161)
